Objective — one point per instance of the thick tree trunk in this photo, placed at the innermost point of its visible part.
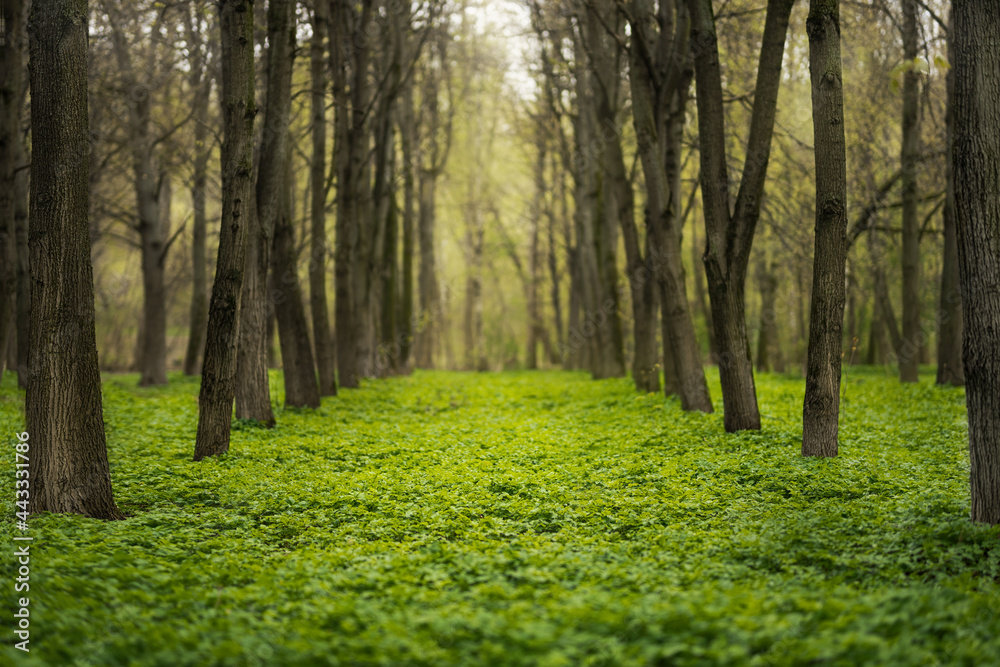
(326, 360)
(68, 458)
(218, 376)
(976, 30)
(909, 358)
(11, 101)
(949, 352)
(821, 408)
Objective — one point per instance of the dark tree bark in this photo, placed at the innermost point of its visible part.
(340, 56)
(23, 275)
(949, 352)
(201, 84)
(821, 408)
(275, 213)
(326, 360)
(11, 101)
(68, 466)
(909, 358)
(298, 366)
(730, 237)
(406, 138)
(652, 90)
(976, 28)
(218, 376)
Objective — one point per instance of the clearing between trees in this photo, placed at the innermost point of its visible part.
(529, 518)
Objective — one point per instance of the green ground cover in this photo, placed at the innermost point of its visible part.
(518, 519)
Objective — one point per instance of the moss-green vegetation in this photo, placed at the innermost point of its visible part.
(519, 519)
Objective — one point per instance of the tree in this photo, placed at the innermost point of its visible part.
(431, 163)
(660, 78)
(138, 81)
(949, 352)
(729, 236)
(11, 101)
(976, 164)
(909, 354)
(275, 212)
(218, 376)
(821, 408)
(200, 83)
(326, 360)
(69, 470)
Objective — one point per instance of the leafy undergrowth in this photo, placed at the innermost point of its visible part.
(519, 519)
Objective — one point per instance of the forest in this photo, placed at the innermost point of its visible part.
(500, 332)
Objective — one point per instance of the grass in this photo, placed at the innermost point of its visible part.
(519, 519)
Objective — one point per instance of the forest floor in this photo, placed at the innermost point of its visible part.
(518, 519)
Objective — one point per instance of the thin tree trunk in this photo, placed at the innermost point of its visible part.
(344, 248)
(326, 360)
(67, 451)
(949, 352)
(201, 85)
(909, 359)
(534, 260)
(767, 342)
(11, 101)
(199, 242)
(976, 30)
(406, 131)
(821, 408)
(297, 363)
(218, 376)
(23, 274)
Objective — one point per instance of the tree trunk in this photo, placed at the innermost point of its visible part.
(199, 242)
(218, 376)
(534, 259)
(821, 408)
(364, 219)
(326, 360)
(344, 249)
(23, 275)
(909, 359)
(406, 131)
(201, 85)
(298, 366)
(68, 458)
(683, 369)
(976, 30)
(11, 101)
(767, 342)
(154, 232)
(949, 352)
(730, 237)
